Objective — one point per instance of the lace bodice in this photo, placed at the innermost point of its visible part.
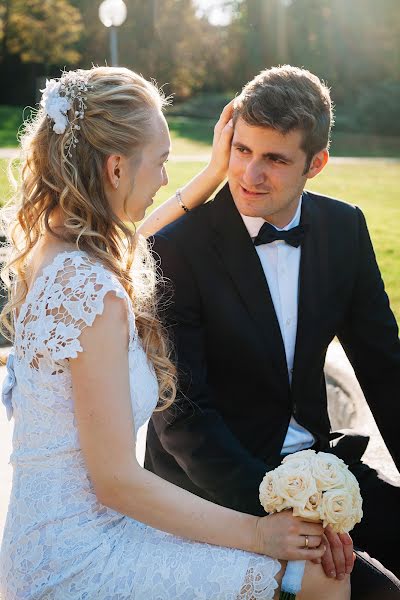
(65, 299)
(59, 541)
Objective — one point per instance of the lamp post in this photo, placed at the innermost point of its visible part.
(112, 13)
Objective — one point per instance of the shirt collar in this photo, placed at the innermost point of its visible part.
(254, 224)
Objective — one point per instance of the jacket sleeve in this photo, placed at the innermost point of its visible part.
(369, 335)
(192, 430)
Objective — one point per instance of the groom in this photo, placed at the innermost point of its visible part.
(263, 278)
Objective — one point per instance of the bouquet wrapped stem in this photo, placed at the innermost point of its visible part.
(291, 581)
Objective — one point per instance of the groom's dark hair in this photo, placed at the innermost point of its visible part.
(288, 98)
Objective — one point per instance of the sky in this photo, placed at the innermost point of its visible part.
(217, 14)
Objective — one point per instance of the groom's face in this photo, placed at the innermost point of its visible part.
(266, 172)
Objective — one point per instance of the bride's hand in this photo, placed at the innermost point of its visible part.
(221, 149)
(283, 536)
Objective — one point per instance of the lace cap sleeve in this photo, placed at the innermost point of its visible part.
(73, 297)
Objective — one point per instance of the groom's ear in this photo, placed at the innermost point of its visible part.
(318, 162)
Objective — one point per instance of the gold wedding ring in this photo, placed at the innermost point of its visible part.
(305, 542)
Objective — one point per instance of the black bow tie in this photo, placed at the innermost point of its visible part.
(268, 234)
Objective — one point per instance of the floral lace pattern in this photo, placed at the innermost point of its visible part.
(59, 541)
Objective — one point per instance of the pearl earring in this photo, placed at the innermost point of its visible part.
(116, 184)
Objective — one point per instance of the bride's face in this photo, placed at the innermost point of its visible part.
(140, 178)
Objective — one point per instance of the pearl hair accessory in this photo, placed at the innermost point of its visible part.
(59, 97)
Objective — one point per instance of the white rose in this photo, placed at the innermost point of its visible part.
(303, 454)
(311, 511)
(357, 503)
(337, 509)
(294, 483)
(298, 461)
(269, 499)
(329, 471)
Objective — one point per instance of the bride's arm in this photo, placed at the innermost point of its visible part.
(101, 390)
(200, 188)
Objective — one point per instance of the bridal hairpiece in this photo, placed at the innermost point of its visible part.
(59, 96)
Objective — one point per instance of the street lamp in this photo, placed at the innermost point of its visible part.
(112, 13)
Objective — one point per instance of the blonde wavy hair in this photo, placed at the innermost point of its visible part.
(117, 120)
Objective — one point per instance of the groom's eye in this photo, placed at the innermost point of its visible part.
(277, 160)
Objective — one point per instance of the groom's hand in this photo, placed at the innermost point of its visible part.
(338, 558)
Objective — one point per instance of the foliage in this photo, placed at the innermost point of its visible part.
(378, 108)
(167, 41)
(354, 46)
(201, 106)
(41, 31)
(11, 118)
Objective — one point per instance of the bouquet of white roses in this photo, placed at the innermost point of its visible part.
(318, 487)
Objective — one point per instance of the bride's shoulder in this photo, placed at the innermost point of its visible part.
(74, 294)
(79, 263)
(78, 276)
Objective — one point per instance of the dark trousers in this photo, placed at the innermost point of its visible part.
(379, 531)
(371, 581)
(378, 534)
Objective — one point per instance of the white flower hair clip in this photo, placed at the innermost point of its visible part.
(58, 98)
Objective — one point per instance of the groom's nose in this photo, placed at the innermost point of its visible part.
(254, 174)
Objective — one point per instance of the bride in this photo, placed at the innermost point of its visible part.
(91, 362)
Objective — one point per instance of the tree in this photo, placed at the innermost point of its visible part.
(41, 31)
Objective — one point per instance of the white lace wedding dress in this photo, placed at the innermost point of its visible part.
(59, 541)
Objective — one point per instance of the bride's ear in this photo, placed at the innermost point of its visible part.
(113, 170)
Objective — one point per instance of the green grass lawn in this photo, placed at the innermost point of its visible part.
(372, 185)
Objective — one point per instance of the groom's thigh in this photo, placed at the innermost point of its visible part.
(379, 531)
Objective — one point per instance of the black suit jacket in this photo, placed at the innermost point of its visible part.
(229, 422)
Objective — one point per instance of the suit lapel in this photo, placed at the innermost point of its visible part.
(311, 282)
(235, 248)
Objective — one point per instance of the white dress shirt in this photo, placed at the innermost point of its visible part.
(281, 264)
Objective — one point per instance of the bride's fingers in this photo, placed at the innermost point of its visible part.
(309, 541)
(311, 528)
(313, 554)
(225, 117)
(348, 551)
(227, 112)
